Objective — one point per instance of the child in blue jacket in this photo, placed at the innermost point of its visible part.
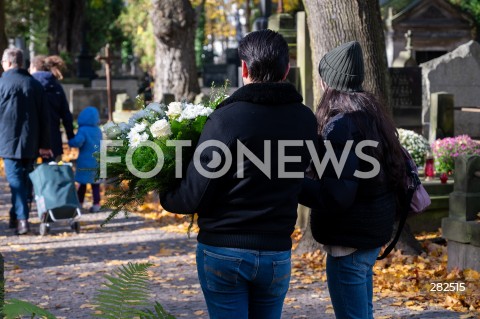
(87, 140)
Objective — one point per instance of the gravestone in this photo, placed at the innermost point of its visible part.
(406, 89)
(304, 60)
(457, 73)
(124, 102)
(461, 228)
(232, 57)
(284, 23)
(441, 116)
(127, 84)
(97, 97)
(218, 73)
(467, 121)
(67, 87)
(124, 108)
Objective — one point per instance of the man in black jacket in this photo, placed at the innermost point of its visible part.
(24, 132)
(244, 183)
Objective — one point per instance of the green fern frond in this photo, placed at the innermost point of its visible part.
(125, 294)
(15, 308)
(159, 313)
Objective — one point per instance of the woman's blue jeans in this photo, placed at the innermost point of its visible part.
(350, 284)
(242, 283)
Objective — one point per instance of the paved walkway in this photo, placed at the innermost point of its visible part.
(61, 271)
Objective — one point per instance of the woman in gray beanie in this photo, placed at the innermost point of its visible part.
(353, 208)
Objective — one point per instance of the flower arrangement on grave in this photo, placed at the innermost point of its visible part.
(446, 150)
(416, 145)
(140, 156)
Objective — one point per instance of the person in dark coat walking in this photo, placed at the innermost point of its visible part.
(47, 70)
(24, 131)
(354, 205)
(247, 198)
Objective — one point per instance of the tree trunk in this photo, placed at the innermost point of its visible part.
(333, 22)
(307, 243)
(407, 242)
(65, 27)
(174, 29)
(3, 36)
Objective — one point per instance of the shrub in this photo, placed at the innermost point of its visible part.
(416, 145)
(446, 150)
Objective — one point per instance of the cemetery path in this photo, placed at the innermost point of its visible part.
(61, 271)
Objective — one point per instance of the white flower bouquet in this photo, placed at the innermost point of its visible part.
(140, 156)
(416, 145)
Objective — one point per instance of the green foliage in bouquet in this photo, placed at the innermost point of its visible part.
(446, 150)
(157, 124)
(416, 145)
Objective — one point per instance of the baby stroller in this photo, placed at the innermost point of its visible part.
(55, 195)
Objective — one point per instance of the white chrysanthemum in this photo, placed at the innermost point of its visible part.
(415, 144)
(160, 128)
(135, 138)
(174, 109)
(138, 127)
(192, 111)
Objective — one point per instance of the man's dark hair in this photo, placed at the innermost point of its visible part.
(266, 55)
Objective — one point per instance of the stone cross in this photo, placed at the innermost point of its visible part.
(108, 59)
(408, 36)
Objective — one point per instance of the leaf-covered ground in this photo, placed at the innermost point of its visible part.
(61, 271)
(413, 281)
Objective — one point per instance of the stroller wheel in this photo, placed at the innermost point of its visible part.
(76, 227)
(44, 228)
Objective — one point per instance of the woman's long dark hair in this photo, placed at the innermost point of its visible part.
(379, 128)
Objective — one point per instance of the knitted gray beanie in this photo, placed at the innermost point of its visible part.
(342, 68)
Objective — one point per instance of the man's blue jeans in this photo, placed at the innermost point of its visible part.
(242, 283)
(350, 284)
(16, 171)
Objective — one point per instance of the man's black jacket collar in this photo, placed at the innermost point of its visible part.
(265, 93)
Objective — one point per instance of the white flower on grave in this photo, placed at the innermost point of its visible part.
(135, 138)
(160, 128)
(192, 111)
(174, 109)
(415, 144)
